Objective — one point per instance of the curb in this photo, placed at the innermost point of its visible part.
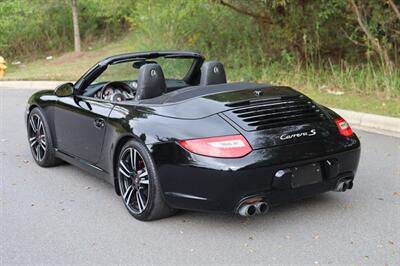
(369, 122)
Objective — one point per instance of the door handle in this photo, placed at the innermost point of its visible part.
(99, 122)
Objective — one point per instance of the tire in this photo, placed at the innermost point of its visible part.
(39, 139)
(138, 182)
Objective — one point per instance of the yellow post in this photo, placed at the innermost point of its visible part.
(2, 67)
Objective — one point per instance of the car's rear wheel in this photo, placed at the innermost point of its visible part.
(40, 140)
(139, 184)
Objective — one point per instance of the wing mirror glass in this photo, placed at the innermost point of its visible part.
(64, 90)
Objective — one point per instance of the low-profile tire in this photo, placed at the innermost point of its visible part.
(138, 181)
(40, 141)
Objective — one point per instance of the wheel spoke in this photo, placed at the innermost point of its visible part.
(32, 139)
(43, 147)
(139, 201)
(38, 122)
(144, 181)
(127, 191)
(40, 126)
(143, 177)
(143, 173)
(123, 172)
(128, 194)
(33, 126)
(33, 142)
(123, 166)
(133, 158)
(42, 141)
(38, 152)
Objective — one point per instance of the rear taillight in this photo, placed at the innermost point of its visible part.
(224, 147)
(344, 127)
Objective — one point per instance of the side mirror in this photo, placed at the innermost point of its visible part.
(64, 90)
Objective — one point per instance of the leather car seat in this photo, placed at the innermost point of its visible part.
(151, 82)
(212, 73)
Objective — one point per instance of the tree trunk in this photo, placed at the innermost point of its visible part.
(77, 37)
(395, 8)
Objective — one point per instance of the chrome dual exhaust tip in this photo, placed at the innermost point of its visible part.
(344, 185)
(253, 209)
(262, 207)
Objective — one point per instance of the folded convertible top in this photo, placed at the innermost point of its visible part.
(198, 91)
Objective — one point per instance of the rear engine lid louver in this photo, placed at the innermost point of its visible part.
(273, 113)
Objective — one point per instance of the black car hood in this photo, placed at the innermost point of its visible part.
(199, 102)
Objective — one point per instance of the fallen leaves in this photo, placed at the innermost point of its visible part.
(348, 206)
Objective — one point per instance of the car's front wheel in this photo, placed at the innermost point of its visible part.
(40, 140)
(139, 184)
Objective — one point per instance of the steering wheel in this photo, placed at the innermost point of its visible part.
(116, 96)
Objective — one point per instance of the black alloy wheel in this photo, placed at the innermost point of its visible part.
(139, 185)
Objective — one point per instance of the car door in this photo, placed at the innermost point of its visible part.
(80, 125)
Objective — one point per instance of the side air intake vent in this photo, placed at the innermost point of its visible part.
(272, 113)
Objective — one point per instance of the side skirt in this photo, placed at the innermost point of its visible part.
(84, 165)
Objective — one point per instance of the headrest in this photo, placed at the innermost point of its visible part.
(151, 82)
(212, 72)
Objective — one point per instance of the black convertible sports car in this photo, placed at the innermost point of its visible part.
(168, 131)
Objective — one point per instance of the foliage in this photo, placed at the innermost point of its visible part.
(31, 27)
(348, 45)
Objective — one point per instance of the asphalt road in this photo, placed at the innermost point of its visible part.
(63, 215)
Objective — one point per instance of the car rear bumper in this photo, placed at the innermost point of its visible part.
(201, 183)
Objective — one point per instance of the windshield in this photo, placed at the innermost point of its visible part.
(173, 68)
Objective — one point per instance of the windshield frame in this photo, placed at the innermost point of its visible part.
(191, 77)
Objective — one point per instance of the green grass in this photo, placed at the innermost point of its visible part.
(69, 66)
(368, 104)
(365, 88)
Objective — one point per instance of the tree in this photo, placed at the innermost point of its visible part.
(77, 37)
(377, 30)
(395, 8)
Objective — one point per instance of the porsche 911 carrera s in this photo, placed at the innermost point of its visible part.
(168, 132)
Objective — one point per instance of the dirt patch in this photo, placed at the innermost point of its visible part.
(75, 57)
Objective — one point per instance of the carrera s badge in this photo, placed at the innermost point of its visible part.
(310, 133)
